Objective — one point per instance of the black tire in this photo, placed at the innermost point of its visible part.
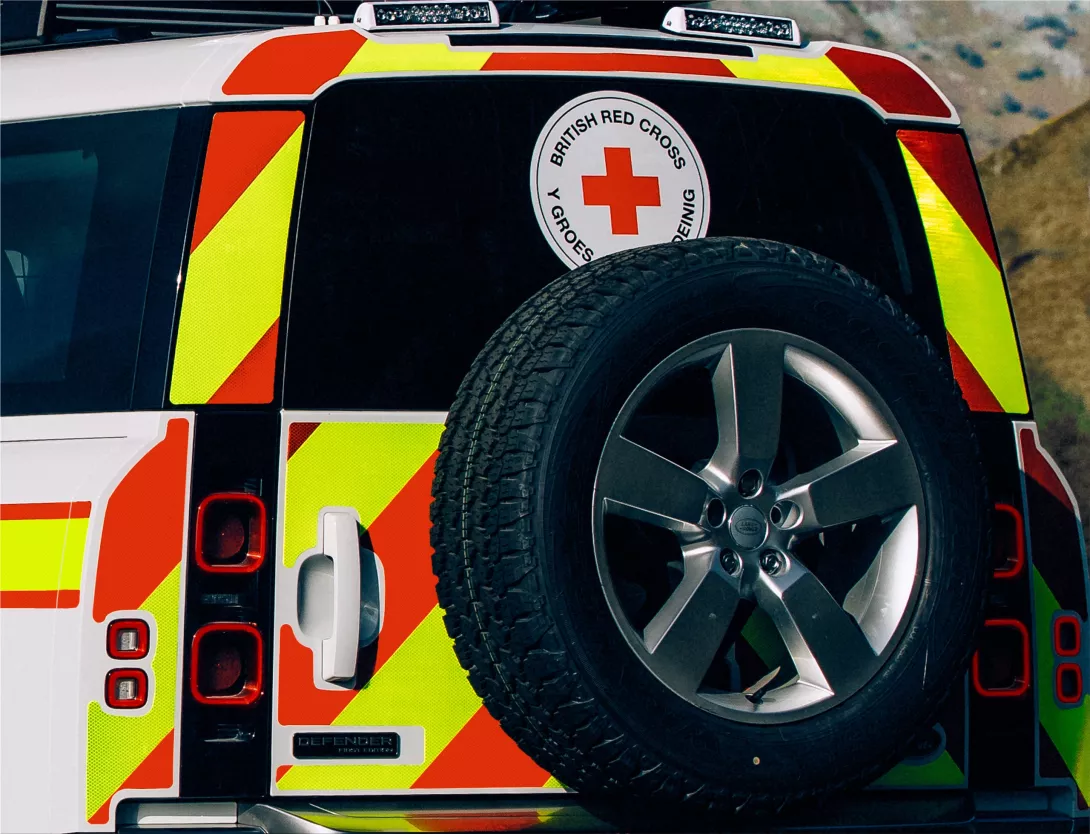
(512, 527)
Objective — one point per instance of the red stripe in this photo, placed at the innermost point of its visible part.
(946, 159)
(605, 62)
(1038, 467)
(898, 87)
(252, 380)
(156, 771)
(974, 389)
(45, 512)
(144, 525)
(66, 598)
(240, 145)
(300, 701)
(482, 755)
(294, 64)
(298, 434)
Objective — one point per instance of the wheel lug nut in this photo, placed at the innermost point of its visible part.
(750, 483)
(730, 562)
(716, 512)
(772, 562)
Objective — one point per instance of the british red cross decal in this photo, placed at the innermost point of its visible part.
(621, 191)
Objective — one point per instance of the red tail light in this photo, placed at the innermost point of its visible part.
(1069, 683)
(126, 688)
(127, 639)
(1001, 666)
(226, 667)
(1009, 542)
(1067, 635)
(230, 533)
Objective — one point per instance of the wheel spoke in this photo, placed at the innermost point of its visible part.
(874, 478)
(827, 646)
(748, 389)
(637, 483)
(684, 636)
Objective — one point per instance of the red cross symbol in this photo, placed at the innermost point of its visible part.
(621, 191)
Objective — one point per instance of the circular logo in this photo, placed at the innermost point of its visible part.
(612, 171)
(748, 527)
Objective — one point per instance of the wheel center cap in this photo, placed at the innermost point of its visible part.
(748, 527)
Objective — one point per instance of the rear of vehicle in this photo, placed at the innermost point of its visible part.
(242, 298)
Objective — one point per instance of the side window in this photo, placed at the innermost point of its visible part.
(79, 206)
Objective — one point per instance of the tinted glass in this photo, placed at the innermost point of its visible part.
(78, 215)
(417, 234)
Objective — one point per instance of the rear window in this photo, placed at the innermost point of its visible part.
(78, 213)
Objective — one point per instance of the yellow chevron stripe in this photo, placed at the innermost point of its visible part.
(974, 302)
(42, 554)
(361, 465)
(421, 683)
(412, 57)
(234, 281)
(788, 69)
(116, 743)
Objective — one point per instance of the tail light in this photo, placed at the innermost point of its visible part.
(126, 688)
(127, 639)
(1067, 635)
(1001, 665)
(226, 667)
(1069, 683)
(230, 533)
(1008, 542)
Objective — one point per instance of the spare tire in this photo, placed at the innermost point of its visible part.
(710, 524)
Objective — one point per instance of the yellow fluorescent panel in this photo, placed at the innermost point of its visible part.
(786, 69)
(412, 57)
(974, 302)
(41, 554)
(234, 281)
(422, 683)
(361, 465)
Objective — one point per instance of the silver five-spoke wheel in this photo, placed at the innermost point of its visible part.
(757, 526)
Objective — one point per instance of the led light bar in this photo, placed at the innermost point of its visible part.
(732, 26)
(390, 17)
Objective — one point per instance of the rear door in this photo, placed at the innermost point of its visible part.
(376, 701)
(94, 495)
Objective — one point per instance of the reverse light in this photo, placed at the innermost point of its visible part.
(733, 26)
(1067, 635)
(382, 17)
(127, 639)
(126, 688)
(230, 533)
(226, 667)
(1069, 683)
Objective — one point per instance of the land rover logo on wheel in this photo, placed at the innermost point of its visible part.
(612, 171)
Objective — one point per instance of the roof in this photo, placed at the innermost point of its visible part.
(298, 63)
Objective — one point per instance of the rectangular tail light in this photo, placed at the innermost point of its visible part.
(1008, 542)
(126, 688)
(1001, 664)
(230, 533)
(127, 639)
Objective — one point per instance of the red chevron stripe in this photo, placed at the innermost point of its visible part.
(945, 158)
(253, 379)
(144, 525)
(45, 512)
(896, 86)
(240, 145)
(974, 389)
(482, 755)
(294, 64)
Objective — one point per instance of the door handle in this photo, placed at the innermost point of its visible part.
(341, 543)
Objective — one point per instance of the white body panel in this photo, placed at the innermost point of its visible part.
(54, 660)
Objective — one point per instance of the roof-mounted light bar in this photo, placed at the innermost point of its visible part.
(392, 17)
(732, 26)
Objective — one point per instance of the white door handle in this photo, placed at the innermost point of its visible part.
(341, 543)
